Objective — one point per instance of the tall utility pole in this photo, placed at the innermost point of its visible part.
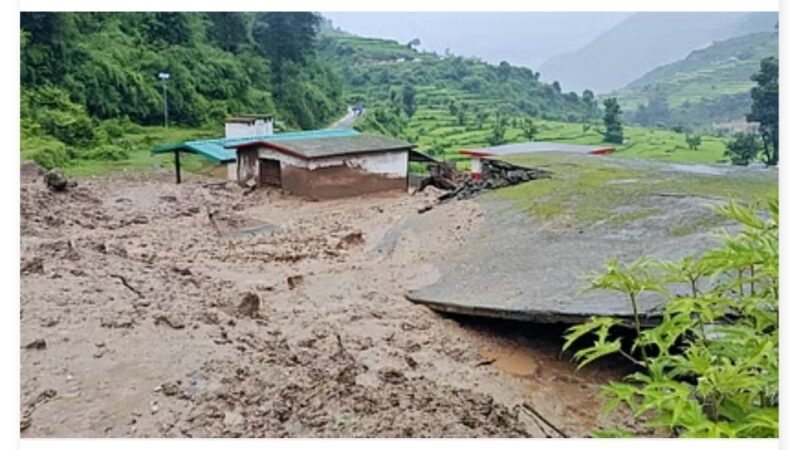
(164, 76)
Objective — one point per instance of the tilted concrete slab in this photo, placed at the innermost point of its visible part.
(521, 266)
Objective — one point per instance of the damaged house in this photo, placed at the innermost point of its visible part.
(318, 164)
(326, 167)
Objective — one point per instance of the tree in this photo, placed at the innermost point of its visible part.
(693, 141)
(452, 106)
(229, 30)
(764, 109)
(557, 87)
(612, 122)
(409, 102)
(413, 43)
(742, 149)
(498, 136)
(504, 70)
(462, 115)
(481, 117)
(529, 129)
(285, 36)
(588, 100)
(172, 28)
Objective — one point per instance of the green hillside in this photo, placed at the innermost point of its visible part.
(460, 103)
(376, 70)
(709, 86)
(91, 93)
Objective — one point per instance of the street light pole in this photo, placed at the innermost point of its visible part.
(164, 76)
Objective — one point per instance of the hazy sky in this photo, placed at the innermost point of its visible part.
(522, 38)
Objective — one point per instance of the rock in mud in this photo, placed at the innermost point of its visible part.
(57, 182)
(35, 265)
(36, 344)
(294, 281)
(392, 376)
(249, 305)
(350, 240)
(172, 322)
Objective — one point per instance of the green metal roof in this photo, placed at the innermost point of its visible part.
(215, 149)
(321, 147)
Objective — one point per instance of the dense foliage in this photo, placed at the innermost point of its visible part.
(710, 367)
(81, 69)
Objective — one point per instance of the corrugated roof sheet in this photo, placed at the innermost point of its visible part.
(332, 146)
(216, 149)
(535, 147)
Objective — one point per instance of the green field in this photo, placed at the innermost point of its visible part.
(433, 129)
(141, 140)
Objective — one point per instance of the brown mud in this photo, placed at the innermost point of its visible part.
(150, 309)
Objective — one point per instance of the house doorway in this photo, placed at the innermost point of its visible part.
(269, 172)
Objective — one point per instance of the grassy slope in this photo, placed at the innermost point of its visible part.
(140, 157)
(724, 68)
(587, 190)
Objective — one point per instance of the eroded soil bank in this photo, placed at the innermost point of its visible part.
(141, 316)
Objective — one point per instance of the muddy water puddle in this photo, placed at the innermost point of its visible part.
(546, 377)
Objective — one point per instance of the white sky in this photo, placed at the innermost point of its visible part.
(521, 38)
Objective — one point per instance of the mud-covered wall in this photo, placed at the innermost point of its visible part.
(344, 181)
(340, 176)
(297, 180)
(337, 181)
(247, 165)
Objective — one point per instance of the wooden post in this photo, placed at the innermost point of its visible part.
(177, 166)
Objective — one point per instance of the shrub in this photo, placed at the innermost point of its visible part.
(710, 367)
(48, 153)
(742, 149)
(108, 152)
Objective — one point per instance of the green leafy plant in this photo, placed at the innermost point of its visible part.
(709, 368)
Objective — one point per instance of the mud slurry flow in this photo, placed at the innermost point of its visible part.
(150, 309)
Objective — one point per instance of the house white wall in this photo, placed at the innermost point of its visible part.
(232, 171)
(476, 167)
(390, 164)
(267, 153)
(256, 127)
(237, 127)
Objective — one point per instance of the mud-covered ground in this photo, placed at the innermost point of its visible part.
(143, 316)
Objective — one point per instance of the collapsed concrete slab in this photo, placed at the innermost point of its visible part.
(539, 241)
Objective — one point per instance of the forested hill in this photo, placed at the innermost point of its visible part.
(711, 85)
(86, 77)
(394, 79)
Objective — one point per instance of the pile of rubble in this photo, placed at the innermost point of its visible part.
(494, 174)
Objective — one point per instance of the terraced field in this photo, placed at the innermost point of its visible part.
(436, 131)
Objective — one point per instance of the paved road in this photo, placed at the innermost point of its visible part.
(346, 121)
